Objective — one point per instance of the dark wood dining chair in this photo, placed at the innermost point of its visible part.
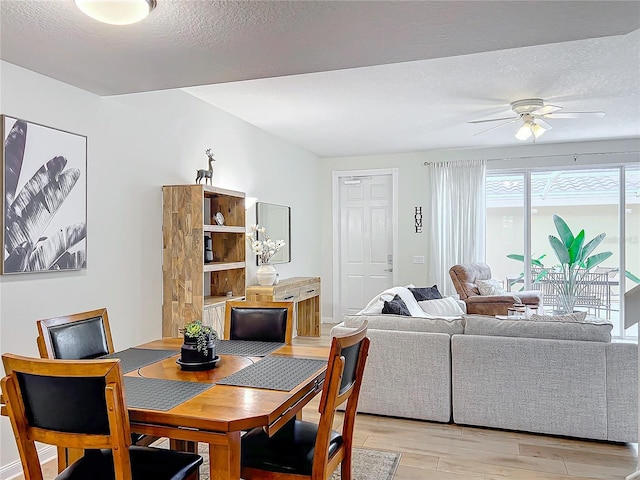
(78, 404)
(305, 450)
(262, 321)
(79, 336)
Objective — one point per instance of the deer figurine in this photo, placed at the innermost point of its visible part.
(206, 174)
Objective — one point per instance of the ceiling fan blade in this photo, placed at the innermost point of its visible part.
(494, 119)
(513, 120)
(542, 123)
(574, 115)
(545, 110)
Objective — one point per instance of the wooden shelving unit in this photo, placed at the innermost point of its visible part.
(189, 284)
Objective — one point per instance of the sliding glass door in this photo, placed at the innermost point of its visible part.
(631, 234)
(505, 227)
(520, 210)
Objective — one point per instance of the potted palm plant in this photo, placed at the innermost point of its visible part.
(576, 261)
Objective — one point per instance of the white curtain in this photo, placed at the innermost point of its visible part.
(455, 218)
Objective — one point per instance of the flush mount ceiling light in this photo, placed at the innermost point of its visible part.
(532, 112)
(117, 12)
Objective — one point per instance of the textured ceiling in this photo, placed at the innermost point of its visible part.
(355, 77)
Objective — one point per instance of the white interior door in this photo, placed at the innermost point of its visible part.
(365, 240)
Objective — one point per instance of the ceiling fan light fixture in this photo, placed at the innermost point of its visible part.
(116, 12)
(525, 132)
(538, 130)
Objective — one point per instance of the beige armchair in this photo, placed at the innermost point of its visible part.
(464, 280)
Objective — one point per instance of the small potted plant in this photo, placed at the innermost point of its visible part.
(199, 348)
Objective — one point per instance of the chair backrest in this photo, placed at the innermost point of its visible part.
(595, 290)
(464, 278)
(79, 336)
(263, 321)
(343, 379)
(544, 279)
(68, 403)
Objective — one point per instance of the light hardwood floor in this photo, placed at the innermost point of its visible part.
(436, 451)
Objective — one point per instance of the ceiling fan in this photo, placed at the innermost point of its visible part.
(532, 112)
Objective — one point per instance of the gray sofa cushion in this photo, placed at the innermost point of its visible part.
(490, 326)
(530, 384)
(407, 324)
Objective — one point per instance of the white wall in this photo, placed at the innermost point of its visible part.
(412, 192)
(136, 144)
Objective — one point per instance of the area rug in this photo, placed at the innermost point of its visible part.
(366, 464)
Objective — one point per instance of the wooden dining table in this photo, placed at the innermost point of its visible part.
(219, 414)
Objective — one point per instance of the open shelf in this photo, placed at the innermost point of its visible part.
(224, 229)
(220, 266)
(189, 284)
(214, 300)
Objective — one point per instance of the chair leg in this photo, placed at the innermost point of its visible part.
(345, 465)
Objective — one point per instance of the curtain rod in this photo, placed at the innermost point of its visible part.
(575, 156)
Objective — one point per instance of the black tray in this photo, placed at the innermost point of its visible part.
(193, 367)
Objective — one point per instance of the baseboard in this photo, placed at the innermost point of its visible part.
(634, 476)
(14, 469)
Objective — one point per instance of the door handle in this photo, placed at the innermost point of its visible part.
(390, 269)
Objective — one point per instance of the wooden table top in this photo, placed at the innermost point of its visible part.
(225, 408)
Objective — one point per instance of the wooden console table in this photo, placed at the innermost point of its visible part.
(303, 291)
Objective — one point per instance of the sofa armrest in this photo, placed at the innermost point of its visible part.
(340, 329)
(530, 297)
(490, 304)
(622, 392)
(408, 375)
(507, 299)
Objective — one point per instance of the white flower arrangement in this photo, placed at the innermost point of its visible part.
(264, 248)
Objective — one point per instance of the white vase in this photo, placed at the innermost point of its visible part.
(266, 274)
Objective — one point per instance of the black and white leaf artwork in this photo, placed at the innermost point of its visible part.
(45, 199)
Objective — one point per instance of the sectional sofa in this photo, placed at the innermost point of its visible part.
(558, 378)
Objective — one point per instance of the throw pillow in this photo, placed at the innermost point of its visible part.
(426, 293)
(396, 307)
(490, 287)
(567, 317)
(441, 307)
(377, 303)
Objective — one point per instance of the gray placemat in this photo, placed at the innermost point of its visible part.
(155, 394)
(275, 373)
(134, 358)
(246, 348)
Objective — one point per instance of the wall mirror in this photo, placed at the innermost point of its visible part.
(277, 221)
